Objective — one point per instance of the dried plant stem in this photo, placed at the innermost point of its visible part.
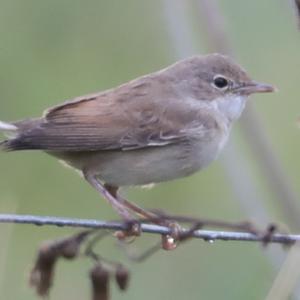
(288, 276)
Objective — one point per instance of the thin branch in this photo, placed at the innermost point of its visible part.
(207, 235)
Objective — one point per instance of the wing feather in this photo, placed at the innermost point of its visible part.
(129, 117)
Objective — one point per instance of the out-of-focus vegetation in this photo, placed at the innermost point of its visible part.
(54, 50)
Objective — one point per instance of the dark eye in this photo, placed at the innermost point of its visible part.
(220, 82)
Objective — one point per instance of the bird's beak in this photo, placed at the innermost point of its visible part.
(257, 87)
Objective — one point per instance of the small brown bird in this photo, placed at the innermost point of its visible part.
(158, 127)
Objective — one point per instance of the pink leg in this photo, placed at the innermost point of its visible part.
(120, 208)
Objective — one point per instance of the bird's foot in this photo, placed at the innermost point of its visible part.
(133, 230)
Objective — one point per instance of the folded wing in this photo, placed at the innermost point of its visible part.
(121, 119)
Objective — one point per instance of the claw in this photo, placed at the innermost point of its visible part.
(134, 230)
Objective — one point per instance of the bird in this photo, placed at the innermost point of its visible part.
(159, 127)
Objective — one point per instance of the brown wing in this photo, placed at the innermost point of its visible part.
(129, 117)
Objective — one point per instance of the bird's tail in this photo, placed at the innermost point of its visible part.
(10, 131)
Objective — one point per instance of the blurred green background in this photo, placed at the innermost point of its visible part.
(54, 50)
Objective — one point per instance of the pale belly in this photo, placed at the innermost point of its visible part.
(146, 166)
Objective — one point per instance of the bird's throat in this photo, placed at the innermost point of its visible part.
(231, 106)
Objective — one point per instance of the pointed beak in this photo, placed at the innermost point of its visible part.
(256, 87)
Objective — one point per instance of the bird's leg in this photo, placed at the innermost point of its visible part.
(134, 224)
(124, 209)
(169, 241)
(148, 215)
(106, 193)
(138, 210)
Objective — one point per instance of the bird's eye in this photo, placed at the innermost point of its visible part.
(220, 82)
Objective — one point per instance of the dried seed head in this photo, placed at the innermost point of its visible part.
(122, 277)
(100, 282)
(41, 275)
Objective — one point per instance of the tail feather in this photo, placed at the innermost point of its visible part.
(19, 135)
(6, 127)
(9, 130)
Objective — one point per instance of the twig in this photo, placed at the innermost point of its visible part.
(207, 235)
